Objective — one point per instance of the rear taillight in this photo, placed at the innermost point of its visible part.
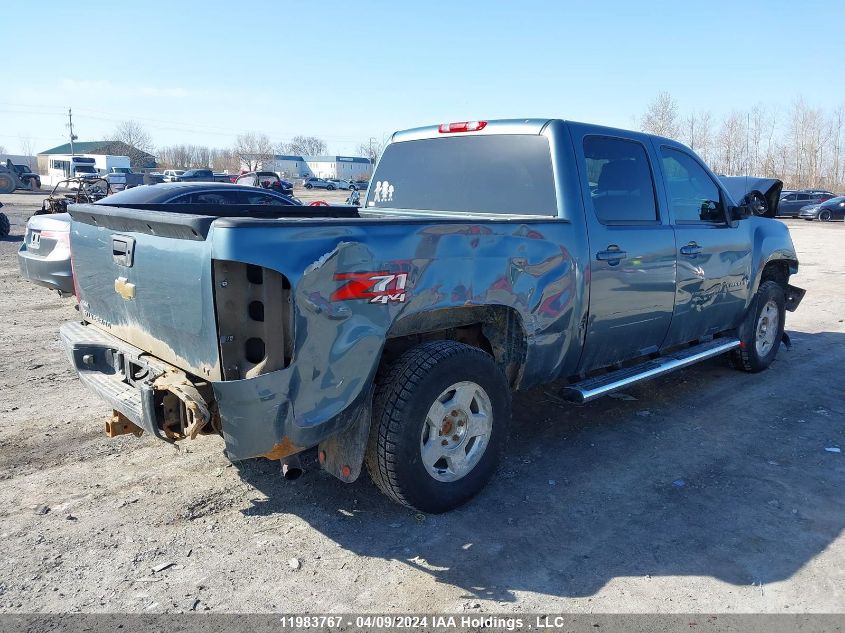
(62, 238)
(73, 277)
(462, 126)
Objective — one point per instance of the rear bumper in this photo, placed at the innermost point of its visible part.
(101, 360)
(257, 414)
(51, 273)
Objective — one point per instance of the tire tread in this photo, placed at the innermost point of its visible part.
(393, 391)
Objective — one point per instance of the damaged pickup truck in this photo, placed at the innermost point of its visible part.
(488, 257)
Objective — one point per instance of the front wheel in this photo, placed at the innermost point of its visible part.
(762, 330)
(440, 418)
(759, 205)
(309, 186)
(330, 188)
(824, 216)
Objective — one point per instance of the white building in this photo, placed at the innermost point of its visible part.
(343, 167)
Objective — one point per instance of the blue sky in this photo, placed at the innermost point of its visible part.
(202, 72)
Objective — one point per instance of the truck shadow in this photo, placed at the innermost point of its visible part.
(706, 472)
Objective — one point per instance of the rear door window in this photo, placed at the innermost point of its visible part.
(620, 180)
(500, 174)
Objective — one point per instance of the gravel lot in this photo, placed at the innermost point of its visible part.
(708, 490)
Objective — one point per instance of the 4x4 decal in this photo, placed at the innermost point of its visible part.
(377, 287)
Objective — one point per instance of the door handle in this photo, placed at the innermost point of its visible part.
(691, 249)
(612, 255)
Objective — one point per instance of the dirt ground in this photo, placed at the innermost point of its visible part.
(708, 490)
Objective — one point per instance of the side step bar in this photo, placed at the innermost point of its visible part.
(593, 388)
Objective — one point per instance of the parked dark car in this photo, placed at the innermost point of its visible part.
(267, 180)
(832, 209)
(44, 256)
(28, 177)
(791, 204)
(319, 183)
(359, 185)
(195, 175)
(200, 193)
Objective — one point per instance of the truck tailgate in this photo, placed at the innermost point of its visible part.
(145, 277)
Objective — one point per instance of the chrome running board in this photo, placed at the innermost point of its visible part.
(593, 388)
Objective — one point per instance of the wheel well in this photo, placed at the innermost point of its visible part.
(498, 330)
(777, 271)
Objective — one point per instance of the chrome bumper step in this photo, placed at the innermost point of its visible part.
(598, 386)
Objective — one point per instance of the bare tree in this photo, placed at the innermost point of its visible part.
(305, 146)
(371, 149)
(2, 149)
(837, 128)
(731, 155)
(253, 150)
(661, 118)
(27, 150)
(136, 137)
(224, 160)
(697, 132)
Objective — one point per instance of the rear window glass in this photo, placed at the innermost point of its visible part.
(475, 174)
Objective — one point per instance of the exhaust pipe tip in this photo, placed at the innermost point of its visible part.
(292, 468)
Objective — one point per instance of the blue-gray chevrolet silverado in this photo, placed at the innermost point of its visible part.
(487, 257)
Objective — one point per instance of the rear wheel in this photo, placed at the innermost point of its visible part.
(440, 418)
(34, 185)
(309, 186)
(761, 332)
(5, 225)
(7, 185)
(330, 187)
(824, 215)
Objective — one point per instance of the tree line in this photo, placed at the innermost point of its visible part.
(801, 145)
(250, 151)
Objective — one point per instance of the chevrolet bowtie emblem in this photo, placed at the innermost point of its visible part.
(124, 288)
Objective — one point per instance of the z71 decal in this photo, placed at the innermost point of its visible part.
(377, 287)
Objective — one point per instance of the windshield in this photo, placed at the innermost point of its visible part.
(509, 174)
(120, 170)
(85, 169)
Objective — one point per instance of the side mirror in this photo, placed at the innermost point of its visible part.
(741, 212)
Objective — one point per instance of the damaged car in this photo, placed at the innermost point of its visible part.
(761, 195)
(488, 256)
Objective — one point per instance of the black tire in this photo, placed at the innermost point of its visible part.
(403, 397)
(749, 357)
(5, 226)
(824, 215)
(330, 188)
(34, 185)
(759, 205)
(309, 186)
(7, 183)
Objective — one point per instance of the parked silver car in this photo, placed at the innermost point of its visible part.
(44, 256)
(319, 183)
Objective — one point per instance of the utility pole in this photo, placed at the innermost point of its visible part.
(73, 136)
(372, 158)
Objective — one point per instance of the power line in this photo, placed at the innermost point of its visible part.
(160, 124)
